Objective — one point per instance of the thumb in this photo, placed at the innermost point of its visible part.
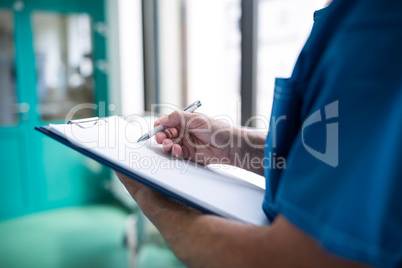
(177, 118)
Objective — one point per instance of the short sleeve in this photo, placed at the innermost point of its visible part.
(343, 178)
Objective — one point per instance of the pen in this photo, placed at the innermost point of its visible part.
(191, 108)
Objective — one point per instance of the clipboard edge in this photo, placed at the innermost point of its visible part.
(46, 131)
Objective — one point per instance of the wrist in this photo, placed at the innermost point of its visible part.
(156, 205)
(248, 148)
(236, 147)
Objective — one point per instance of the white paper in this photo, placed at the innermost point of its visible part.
(114, 139)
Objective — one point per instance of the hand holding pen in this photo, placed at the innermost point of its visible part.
(191, 108)
(196, 137)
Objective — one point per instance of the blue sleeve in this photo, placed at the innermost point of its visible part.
(343, 178)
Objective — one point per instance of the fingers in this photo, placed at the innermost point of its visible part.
(177, 150)
(169, 133)
(174, 148)
(157, 123)
(173, 138)
(181, 119)
(160, 137)
(167, 145)
(176, 119)
(173, 122)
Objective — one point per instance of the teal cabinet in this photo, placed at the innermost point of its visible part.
(13, 197)
(52, 58)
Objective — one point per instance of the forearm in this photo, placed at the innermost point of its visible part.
(201, 240)
(248, 150)
(197, 239)
(208, 241)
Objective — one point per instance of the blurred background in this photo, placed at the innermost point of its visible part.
(61, 209)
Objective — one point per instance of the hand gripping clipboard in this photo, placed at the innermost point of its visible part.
(112, 143)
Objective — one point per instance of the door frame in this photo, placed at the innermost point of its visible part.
(32, 142)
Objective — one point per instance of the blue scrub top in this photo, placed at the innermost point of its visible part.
(338, 123)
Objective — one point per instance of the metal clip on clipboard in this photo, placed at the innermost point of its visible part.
(80, 122)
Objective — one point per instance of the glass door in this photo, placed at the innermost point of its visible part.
(68, 42)
(63, 48)
(52, 58)
(14, 198)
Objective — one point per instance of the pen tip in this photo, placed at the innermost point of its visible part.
(143, 138)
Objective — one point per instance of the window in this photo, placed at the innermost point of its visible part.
(283, 28)
(192, 51)
(64, 63)
(214, 56)
(198, 55)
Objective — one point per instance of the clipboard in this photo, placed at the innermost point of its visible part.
(112, 142)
